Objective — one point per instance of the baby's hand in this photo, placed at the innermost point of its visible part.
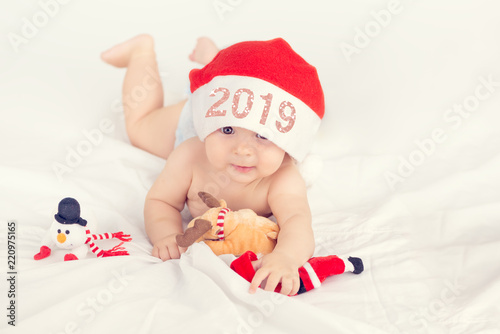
(276, 268)
(167, 248)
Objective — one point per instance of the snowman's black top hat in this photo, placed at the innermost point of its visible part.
(69, 212)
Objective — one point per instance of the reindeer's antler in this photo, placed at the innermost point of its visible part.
(193, 233)
(209, 200)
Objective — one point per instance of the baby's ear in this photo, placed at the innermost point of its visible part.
(272, 235)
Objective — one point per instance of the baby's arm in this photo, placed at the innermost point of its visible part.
(288, 200)
(165, 201)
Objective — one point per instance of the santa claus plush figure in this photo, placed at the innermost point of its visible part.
(69, 232)
(312, 274)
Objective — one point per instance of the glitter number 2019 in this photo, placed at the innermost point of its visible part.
(213, 111)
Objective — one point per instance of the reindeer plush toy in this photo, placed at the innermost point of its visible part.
(230, 232)
(245, 234)
(69, 232)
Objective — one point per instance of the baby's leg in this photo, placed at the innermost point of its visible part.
(150, 126)
(204, 51)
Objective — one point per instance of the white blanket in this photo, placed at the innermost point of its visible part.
(410, 183)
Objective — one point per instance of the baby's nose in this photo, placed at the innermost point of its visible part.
(244, 147)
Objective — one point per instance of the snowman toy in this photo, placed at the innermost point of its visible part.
(69, 232)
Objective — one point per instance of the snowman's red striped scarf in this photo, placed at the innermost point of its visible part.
(115, 251)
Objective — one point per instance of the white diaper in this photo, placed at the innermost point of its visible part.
(185, 126)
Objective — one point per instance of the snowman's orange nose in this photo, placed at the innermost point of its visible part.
(61, 237)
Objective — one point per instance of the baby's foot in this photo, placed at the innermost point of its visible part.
(120, 54)
(204, 51)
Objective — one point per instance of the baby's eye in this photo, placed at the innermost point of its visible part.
(227, 130)
(261, 137)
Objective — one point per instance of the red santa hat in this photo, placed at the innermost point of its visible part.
(262, 86)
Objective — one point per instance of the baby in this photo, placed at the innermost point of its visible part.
(254, 108)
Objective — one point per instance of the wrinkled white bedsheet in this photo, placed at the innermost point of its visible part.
(410, 182)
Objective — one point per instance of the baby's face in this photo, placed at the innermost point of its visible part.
(243, 154)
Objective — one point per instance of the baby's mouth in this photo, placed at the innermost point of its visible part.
(242, 169)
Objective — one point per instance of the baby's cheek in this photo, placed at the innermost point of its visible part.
(214, 156)
(271, 166)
